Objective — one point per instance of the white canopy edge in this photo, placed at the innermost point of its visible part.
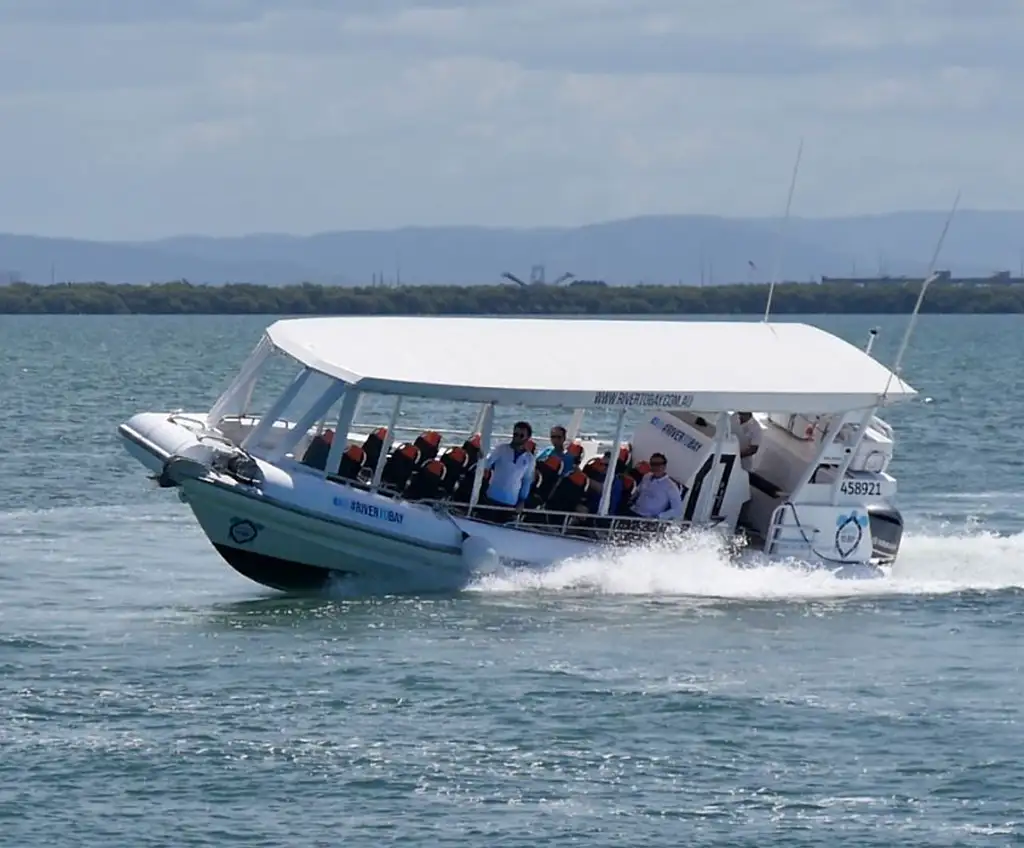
(595, 364)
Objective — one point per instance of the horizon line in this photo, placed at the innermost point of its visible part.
(771, 219)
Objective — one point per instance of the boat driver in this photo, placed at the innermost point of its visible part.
(658, 495)
(512, 465)
(748, 431)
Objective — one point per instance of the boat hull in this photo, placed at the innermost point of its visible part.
(276, 573)
(293, 531)
(287, 547)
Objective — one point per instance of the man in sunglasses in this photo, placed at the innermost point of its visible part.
(511, 466)
(557, 449)
(657, 496)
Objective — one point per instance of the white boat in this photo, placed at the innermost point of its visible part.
(409, 509)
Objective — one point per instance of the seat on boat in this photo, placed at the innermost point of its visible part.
(400, 465)
(464, 489)
(629, 484)
(596, 468)
(352, 462)
(456, 463)
(640, 470)
(374, 444)
(428, 481)
(428, 442)
(568, 494)
(625, 456)
(472, 448)
(545, 478)
(315, 456)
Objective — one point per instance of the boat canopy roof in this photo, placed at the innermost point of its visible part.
(708, 366)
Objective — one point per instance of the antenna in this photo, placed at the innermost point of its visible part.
(782, 230)
(928, 280)
(872, 335)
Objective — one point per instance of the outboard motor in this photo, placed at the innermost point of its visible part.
(886, 531)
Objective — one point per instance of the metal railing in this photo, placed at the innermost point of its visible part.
(577, 524)
(539, 520)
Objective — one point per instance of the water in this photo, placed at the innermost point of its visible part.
(150, 696)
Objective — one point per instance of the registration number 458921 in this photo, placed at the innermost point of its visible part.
(861, 488)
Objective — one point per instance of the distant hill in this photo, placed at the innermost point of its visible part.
(653, 249)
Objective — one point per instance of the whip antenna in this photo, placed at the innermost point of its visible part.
(932, 275)
(777, 266)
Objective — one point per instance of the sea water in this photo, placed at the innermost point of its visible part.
(151, 696)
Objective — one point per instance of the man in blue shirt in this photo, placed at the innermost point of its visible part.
(557, 448)
(512, 467)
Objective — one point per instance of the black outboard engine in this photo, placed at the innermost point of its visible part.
(886, 531)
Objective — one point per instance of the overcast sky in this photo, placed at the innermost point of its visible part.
(145, 118)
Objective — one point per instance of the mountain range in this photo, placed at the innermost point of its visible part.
(667, 249)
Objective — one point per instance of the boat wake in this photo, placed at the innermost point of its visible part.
(700, 566)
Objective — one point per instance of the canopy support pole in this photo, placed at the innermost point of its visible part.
(613, 464)
(346, 415)
(485, 449)
(389, 438)
(709, 490)
(573, 430)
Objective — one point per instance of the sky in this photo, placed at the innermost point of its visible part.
(135, 119)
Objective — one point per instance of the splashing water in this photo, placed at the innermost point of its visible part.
(700, 565)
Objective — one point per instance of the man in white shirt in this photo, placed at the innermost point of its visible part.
(748, 431)
(658, 495)
(512, 467)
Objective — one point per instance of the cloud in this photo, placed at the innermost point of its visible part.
(134, 118)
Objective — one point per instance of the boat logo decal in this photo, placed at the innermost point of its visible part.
(242, 530)
(672, 400)
(674, 433)
(379, 513)
(849, 532)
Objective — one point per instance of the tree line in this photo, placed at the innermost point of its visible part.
(182, 297)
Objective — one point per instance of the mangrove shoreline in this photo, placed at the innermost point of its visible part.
(183, 298)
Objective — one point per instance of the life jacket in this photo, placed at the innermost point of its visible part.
(353, 460)
(428, 482)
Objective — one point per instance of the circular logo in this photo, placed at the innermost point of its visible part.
(243, 531)
(849, 532)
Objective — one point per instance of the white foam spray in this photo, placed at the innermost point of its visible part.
(700, 566)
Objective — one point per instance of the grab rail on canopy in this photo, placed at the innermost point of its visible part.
(411, 428)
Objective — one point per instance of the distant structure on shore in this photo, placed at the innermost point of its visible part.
(1000, 278)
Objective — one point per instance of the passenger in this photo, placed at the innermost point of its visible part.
(597, 485)
(512, 467)
(748, 431)
(557, 449)
(658, 495)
